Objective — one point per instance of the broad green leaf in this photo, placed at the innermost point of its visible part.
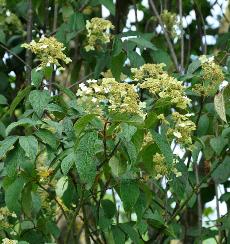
(36, 77)
(220, 106)
(131, 232)
(117, 46)
(39, 101)
(47, 137)
(6, 145)
(76, 22)
(136, 60)
(222, 173)
(109, 5)
(194, 66)
(118, 235)
(81, 123)
(61, 186)
(20, 96)
(203, 125)
(21, 122)
(118, 168)
(3, 100)
(2, 130)
(218, 144)
(129, 193)
(67, 91)
(27, 199)
(13, 195)
(2, 37)
(29, 145)
(109, 208)
(67, 163)
(163, 146)
(86, 163)
(127, 132)
(117, 65)
(141, 42)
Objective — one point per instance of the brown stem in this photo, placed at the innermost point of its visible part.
(169, 43)
(29, 39)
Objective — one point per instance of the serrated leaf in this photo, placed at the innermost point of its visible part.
(20, 96)
(81, 123)
(6, 145)
(21, 122)
(36, 77)
(129, 193)
(13, 194)
(39, 101)
(218, 144)
(163, 146)
(117, 65)
(47, 137)
(141, 42)
(220, 106)
(194, 66)
(67, 163)
(85, 157)
(30, 145)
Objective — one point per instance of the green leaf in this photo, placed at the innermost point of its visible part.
(109, 5)
(218, 144)
(20, 96)
(127, 132)
(76, 22)
(117, 65)
(194, 66)
(141, 42)
(29, 145)
(3, 100)
(81, 123)
(67, 91)
(21, 122)
(109, 208)
(203, 125)
(61, 186)
(118, 235)
(220, 106)
(47, 137)
(6, 145)
(136, 60)
(2, 36)
(67, 163)
(129, 193)
(117, 167)
(163, 146)
(131, 232)
(36, 77)
(39, 101)
(86, 163)
(13, 194)
(222, 172)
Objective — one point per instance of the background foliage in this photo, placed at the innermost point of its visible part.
(72, 174)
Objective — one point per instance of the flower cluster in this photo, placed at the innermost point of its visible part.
(49, 51)
(8, 241)
(162, 169)
(97, 31)
(108, 93)
(153, 78)
(169, 20)
(44, 172)
(212, 76)
(183, 128)
(4, 214)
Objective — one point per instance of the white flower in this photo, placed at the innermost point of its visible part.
(97, 89)
(91, 81)
(44, 46)
(106, 90)
(177, 134)
(79, 93)
(94, 99)
(83, 87)
(8, 241)
(142, 105)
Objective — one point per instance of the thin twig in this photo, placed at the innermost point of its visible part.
(29, 39)
(182, 37)
(170, 45)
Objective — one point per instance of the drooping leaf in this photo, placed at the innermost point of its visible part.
(21, 122)
(194, 66)
(131, 232)
(141, 42)
(117, 65)
(47, 137)
(118, 235)
(61, 186)
(36, 77)
(20, 96)
(39, 101)
(109, 5)
(129, 192)
(220, 106)
(6, 145)
(67, 163)
(13, 194)
(85, 157)
(163, 146)
(29, 145)
(218, 144)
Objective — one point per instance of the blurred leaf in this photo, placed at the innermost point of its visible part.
(7, 145)
(220, 106)
(218, 144)
(117, 65)
(222, 173)
(36, 77)
(29, 145)
(109, 5)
